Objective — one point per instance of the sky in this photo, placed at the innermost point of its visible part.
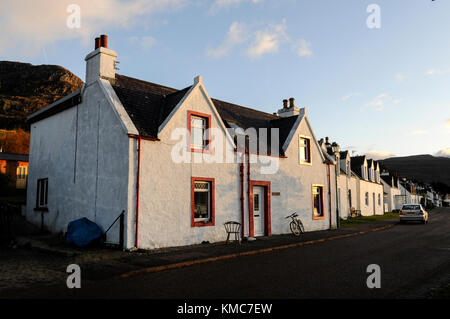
(374, 75)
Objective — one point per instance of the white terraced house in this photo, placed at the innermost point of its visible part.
(123, 144)
(391, 190)
(359, 188)
(371, 199)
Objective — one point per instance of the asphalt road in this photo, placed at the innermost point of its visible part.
(413, 258)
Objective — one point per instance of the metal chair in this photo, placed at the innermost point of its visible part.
(233, 228)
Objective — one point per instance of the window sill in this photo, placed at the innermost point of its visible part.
(306, 163)
(41, 209)
(318, 217)
(202, 224)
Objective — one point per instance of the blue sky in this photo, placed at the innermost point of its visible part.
(381, 91)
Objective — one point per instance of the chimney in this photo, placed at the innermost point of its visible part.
(288, 110)
(291, 102)
(100, 63)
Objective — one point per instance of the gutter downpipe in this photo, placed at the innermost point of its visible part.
(241, 174)
(250, 231)
(329, 193)
(136, 239)
(338, 200)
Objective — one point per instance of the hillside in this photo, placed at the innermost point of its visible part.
(26, 88)
(424, 168)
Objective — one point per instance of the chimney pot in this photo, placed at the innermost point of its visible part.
(97, 43)
(104, 40)
(291, 102)
(285, 103)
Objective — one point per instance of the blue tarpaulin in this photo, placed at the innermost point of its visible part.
(82, 232)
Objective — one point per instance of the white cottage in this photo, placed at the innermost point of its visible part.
(371, 201)
(392, 191)
(173, 161)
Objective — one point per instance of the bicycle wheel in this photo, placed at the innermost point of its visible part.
(294, 228)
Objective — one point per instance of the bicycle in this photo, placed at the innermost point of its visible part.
(296, 224)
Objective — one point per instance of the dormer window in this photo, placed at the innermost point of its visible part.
(199, 125)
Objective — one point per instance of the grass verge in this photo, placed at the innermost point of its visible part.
(366, 219)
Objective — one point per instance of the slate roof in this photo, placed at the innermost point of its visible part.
(149, 104)
(356, 162)
(343, 154)
(388, 179)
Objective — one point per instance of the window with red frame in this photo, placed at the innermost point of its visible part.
(199, 125)
(202, 201)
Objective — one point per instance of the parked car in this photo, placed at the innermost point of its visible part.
(413, 212)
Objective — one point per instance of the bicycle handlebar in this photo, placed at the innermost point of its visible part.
(294, 214)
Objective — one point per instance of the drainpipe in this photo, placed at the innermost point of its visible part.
(241, 169)
(136, 239)
(337, 197)
(248, 187)
(329, 193)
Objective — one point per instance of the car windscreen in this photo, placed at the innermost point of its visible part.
(411, 207)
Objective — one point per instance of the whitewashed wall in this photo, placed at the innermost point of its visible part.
(165, 191)
(294, 183)
(371, 188)
(86, 167)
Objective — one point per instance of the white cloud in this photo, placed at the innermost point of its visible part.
(444, 153)
(438, 71)
(237, 34)
(380, 101)
(260, 40)
(400, 77)
(221, 4)
(303, 48)
(417, 132)
(447, 123)
(28, 26)
(145, 42)
(350, 95)
(268, 40)
(379, 155)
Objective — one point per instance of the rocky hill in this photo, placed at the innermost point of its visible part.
(26, 88)
(422, 168)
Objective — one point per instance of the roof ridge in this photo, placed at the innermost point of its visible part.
(213, 99)
(246, 107)
(151, 83)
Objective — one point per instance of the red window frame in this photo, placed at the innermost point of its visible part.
(212, 201)
(205, 149)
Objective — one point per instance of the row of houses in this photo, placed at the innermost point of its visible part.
(180, 164)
